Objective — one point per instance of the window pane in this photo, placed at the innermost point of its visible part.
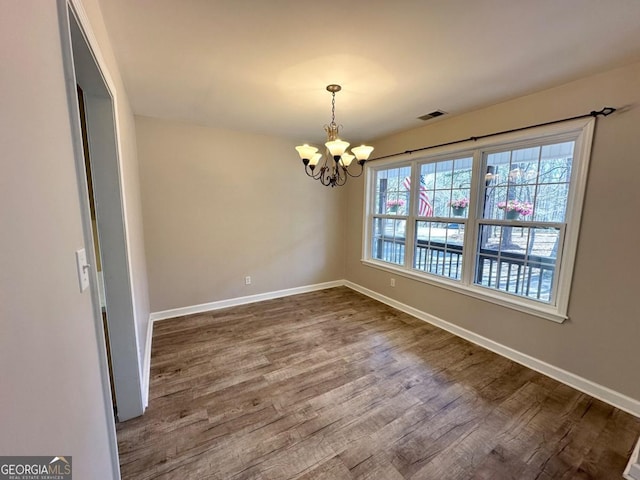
(555, 163)
(438, 248)
(518, 260)
(524, 166)
(388, 240)
(427, 171)
(441, 203)
(462, 173)
(392, 191)
(529, 184)
(551, 202)
(446, 187)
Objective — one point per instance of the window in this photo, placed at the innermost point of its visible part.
(499, 221)
(391, 201)
(444, 196)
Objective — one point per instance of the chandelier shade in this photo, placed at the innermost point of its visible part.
(337, 147)
(346, 159)
(333, 168)
(362, 152)
(306, 151)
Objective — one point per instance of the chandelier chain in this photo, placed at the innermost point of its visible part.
(333, 108)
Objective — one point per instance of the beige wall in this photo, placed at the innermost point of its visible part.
(51, 394)
(219, 205)
(600, 340)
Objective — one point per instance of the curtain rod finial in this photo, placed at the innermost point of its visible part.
(606, 111)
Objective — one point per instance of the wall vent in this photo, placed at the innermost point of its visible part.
(434, 114)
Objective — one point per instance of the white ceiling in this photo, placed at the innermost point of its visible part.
(262, 65)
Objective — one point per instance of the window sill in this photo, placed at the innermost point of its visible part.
(547, 312)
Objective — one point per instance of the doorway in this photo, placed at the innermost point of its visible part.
(100, 184)
(96, 243)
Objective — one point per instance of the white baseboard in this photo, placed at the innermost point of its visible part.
(618, 400)
(632, 472)
(232, 302)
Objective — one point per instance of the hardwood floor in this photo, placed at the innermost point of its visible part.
(333, 385)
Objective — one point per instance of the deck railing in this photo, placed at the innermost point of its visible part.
(438, 258)
(525, 275)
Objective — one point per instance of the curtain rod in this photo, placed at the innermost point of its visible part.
(606, 111)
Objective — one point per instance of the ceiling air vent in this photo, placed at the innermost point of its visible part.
(434, 114)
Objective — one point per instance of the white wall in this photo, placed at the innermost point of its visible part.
(51, 394)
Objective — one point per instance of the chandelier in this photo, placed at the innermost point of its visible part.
(334, 168)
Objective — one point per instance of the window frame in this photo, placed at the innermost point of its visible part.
(416, 172)
(393, 217)
(580, 131)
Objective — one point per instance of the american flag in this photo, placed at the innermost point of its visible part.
(425, 209)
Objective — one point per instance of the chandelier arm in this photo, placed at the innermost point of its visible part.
(335, 176)
(322, 174)
(346, 170)
(320, 171)
(307, 170)
(342, 175)
(311, 173)
(326, 172)
(315, 174)
(325, 179)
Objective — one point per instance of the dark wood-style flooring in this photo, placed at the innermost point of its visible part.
(333, 385)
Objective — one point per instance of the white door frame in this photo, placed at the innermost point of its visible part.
(84, 66)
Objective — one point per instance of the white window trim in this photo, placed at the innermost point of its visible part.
(581, 131)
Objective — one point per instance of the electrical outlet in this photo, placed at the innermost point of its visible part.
(393, 282)
(247, 280)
